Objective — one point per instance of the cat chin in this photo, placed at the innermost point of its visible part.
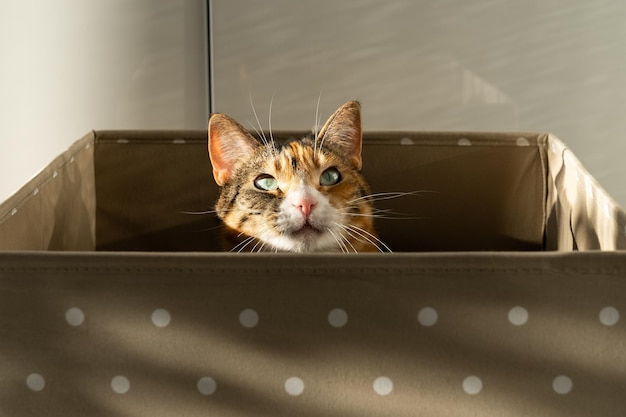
(307, 241)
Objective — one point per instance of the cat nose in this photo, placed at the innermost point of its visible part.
(305, 206)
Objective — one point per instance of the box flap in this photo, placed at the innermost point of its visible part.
(56, 209)
(581, 214)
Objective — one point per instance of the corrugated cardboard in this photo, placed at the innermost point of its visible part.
(503, 297)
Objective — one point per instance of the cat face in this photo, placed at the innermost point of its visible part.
(301, 196)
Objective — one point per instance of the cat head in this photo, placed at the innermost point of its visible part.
(300, 196)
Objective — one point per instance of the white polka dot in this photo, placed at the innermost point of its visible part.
(338, 317)
(383, 385)
(248, 318)
(207, 385)
(427, 316)
(464, 142)
(35, 382)
(13, 212)
(518, 316)
(161, 317)
(55, 174)
(36, 191)
(120, 384)
(472, 385)
(406, 141)
(522, 142)
(74, 316)
(294, 386)
(609, 316)
(72, 159)
(562, 385)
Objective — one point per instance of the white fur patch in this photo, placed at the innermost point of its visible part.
(291, 220)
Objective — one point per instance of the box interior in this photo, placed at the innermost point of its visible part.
(154, 191)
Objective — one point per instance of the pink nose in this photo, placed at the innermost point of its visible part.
(305, 205)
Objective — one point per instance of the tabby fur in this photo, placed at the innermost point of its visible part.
(303, 205)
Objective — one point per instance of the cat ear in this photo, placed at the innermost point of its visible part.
(343, 129)
(229, 144)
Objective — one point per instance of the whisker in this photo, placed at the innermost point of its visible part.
(232, 210)
(241, 245)
(260, 242)
(207, 229)
(259, 134)
(196, 213)
(270, 124)
(263, 241)
(345, 239)
(356, 228)
(317, 124)
(244, 246)
(375, 212)
(360, 237)
(262, 135)
(388, 216)
(342, 246)
(388, 196)
(319, 149)
(368, 240)
(367, 236)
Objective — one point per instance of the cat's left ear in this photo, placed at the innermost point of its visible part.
(229, 145)
(343, 130)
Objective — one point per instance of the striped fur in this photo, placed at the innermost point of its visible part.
(302, 214)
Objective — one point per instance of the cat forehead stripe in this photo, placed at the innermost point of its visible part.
(296, 155)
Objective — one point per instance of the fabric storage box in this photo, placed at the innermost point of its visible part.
(503, 296)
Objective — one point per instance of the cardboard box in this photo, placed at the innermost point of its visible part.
(503, 296)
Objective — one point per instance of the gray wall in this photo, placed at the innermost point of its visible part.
(69, 66)
(538, 65)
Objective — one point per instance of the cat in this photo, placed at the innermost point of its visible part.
(305, 195)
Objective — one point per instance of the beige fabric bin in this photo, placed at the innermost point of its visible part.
(503, 296)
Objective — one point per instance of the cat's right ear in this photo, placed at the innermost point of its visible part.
(229, 144)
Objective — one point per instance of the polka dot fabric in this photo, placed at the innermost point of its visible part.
(439, 330)
(201, 335)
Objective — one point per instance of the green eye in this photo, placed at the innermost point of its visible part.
(330, 177)
(266, 182)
